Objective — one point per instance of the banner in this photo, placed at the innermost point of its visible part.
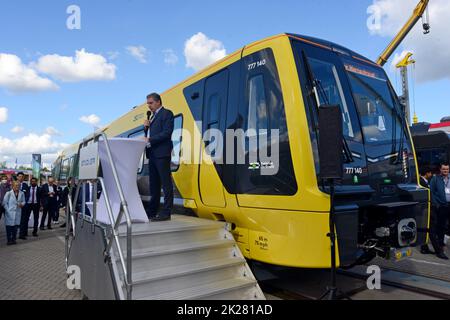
(36, 165)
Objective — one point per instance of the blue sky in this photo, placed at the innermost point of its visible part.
(33, 30)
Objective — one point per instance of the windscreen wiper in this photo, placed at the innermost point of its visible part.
(318, 89)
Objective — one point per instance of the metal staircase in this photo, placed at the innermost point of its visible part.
(188, 259)
(184, 259)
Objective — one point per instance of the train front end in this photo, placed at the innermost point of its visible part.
(380, 208)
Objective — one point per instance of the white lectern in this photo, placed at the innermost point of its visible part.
(126, 154)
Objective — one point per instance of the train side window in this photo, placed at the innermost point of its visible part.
(63, 171)
(257, 107)
(177, 138)
(137, 135)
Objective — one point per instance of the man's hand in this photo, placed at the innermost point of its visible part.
(147, 123)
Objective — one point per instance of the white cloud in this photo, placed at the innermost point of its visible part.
(31, 143)
(170, 57)
(138, 52)
(200, 51)
(84, 66)
(52, 132)
(17, 129)
(19, 78)
(3, 115)
(92, 120)
(431, 51)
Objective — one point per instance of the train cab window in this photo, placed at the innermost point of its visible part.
(137, 135)
(177, 137)
(374, 103)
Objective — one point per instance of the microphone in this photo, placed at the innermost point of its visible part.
(149, 115)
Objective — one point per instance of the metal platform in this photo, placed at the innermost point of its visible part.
(184, 259)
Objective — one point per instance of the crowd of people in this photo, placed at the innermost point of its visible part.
(439, 186)
(18, 200)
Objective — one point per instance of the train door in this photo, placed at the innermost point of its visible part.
(213, 119)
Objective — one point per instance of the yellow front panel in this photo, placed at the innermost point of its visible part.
(293, 239)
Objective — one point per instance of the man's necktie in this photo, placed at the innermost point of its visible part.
(32, 196)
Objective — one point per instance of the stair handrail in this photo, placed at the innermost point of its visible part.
(115, 223)
(70, 222)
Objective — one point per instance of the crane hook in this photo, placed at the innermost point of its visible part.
(426, 22)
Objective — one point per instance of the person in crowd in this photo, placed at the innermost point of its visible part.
(49, 203)
(71, 188)
(65, 193)
(440, 197)
(59, 199)
(426, 174)
(20, 179)
(13, 202)
(5, 186)
(160, 128)
(89, 195)
(33, 205)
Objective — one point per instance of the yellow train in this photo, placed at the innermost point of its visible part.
(283, 219)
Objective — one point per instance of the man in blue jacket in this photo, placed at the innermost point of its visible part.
(160, 128)
(440, 197)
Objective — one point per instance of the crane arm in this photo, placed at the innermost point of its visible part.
(417, 14)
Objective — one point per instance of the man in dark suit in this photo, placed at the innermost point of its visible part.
(59, 195)
(23, 185)
(32, 204)
(159, 152)
(425, 177)
(440, 197)
(49, 202)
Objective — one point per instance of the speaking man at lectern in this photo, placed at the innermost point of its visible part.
(160, 128)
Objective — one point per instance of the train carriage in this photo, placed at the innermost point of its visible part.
(272, 90)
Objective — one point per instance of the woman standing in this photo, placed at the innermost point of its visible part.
(13, 203)
(4, 188)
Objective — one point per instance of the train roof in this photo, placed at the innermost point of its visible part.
(331, 45)
(432, 139)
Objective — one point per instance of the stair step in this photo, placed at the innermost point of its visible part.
(205, 291)
(178, 223)
(182, 270)
(150, 239)
(178, 248)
